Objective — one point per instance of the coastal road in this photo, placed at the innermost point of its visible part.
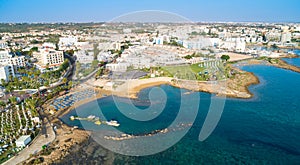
(82, 80)
(69, 74)
(36, 145)
(72, 65)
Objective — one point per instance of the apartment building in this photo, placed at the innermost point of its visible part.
(48, 58)
(3, 44)
(84, 57)
(7, 58)
(6, 71)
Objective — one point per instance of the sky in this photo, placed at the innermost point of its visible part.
(106, 10)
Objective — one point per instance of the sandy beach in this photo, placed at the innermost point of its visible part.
(235, 56)
(130, 88)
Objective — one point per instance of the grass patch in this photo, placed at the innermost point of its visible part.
(187, 72)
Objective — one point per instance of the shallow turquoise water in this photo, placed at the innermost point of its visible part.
(261, 130)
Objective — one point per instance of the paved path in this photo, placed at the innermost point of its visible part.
(35, 146)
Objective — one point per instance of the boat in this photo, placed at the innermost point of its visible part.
(187, 93)
(72, 118)
(91, 117)
(113, 123)
(98, 122)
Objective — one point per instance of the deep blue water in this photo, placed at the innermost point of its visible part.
(261, 130)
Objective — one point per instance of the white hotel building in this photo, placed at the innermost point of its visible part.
(233, 44)
(6, 71)
(84, 57)
(48, 58)
(3, 45)
(7, 58)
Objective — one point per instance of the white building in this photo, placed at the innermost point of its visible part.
(273, 36)
(84, 57)
(36, 119)
(139, 62)
(105, 56)
(67, 41)
(201, 42)
(109, 46)
(84, 46)
(6, 71)
(127, 31)
(7, 58)
(233, 44)
(48, 45)
(23, 141)
(159, 40)
(120, 67)
(3, 45)
(195, 60)
(49, 58)
(286, 37)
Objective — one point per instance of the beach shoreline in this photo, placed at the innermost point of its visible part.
(229, 88)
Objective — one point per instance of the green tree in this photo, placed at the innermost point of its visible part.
(13, 100)
(47, 84)
(44, 147)
(34, 49)
(70, 52)
(3, 82)
(9, 88)
(188, 57)
(2, 104)
(78, 68)
(274, 46)
(95, 64)
(225, 57)
(64, 65)
(31, 103)
(70, 84)
(96, 51)
(64, 80)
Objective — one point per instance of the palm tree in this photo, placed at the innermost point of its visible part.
(70, 84)
(2, 104)
(3, 82)
(13, 100)
(31, 104)
(47, 84)
(21, 71)
(25, 79)
(9, 88)
(10, 78)
(64, 80)
(30, 73)
(37, 85)
(16, 83)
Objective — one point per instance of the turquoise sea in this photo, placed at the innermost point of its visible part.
(261, 130)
